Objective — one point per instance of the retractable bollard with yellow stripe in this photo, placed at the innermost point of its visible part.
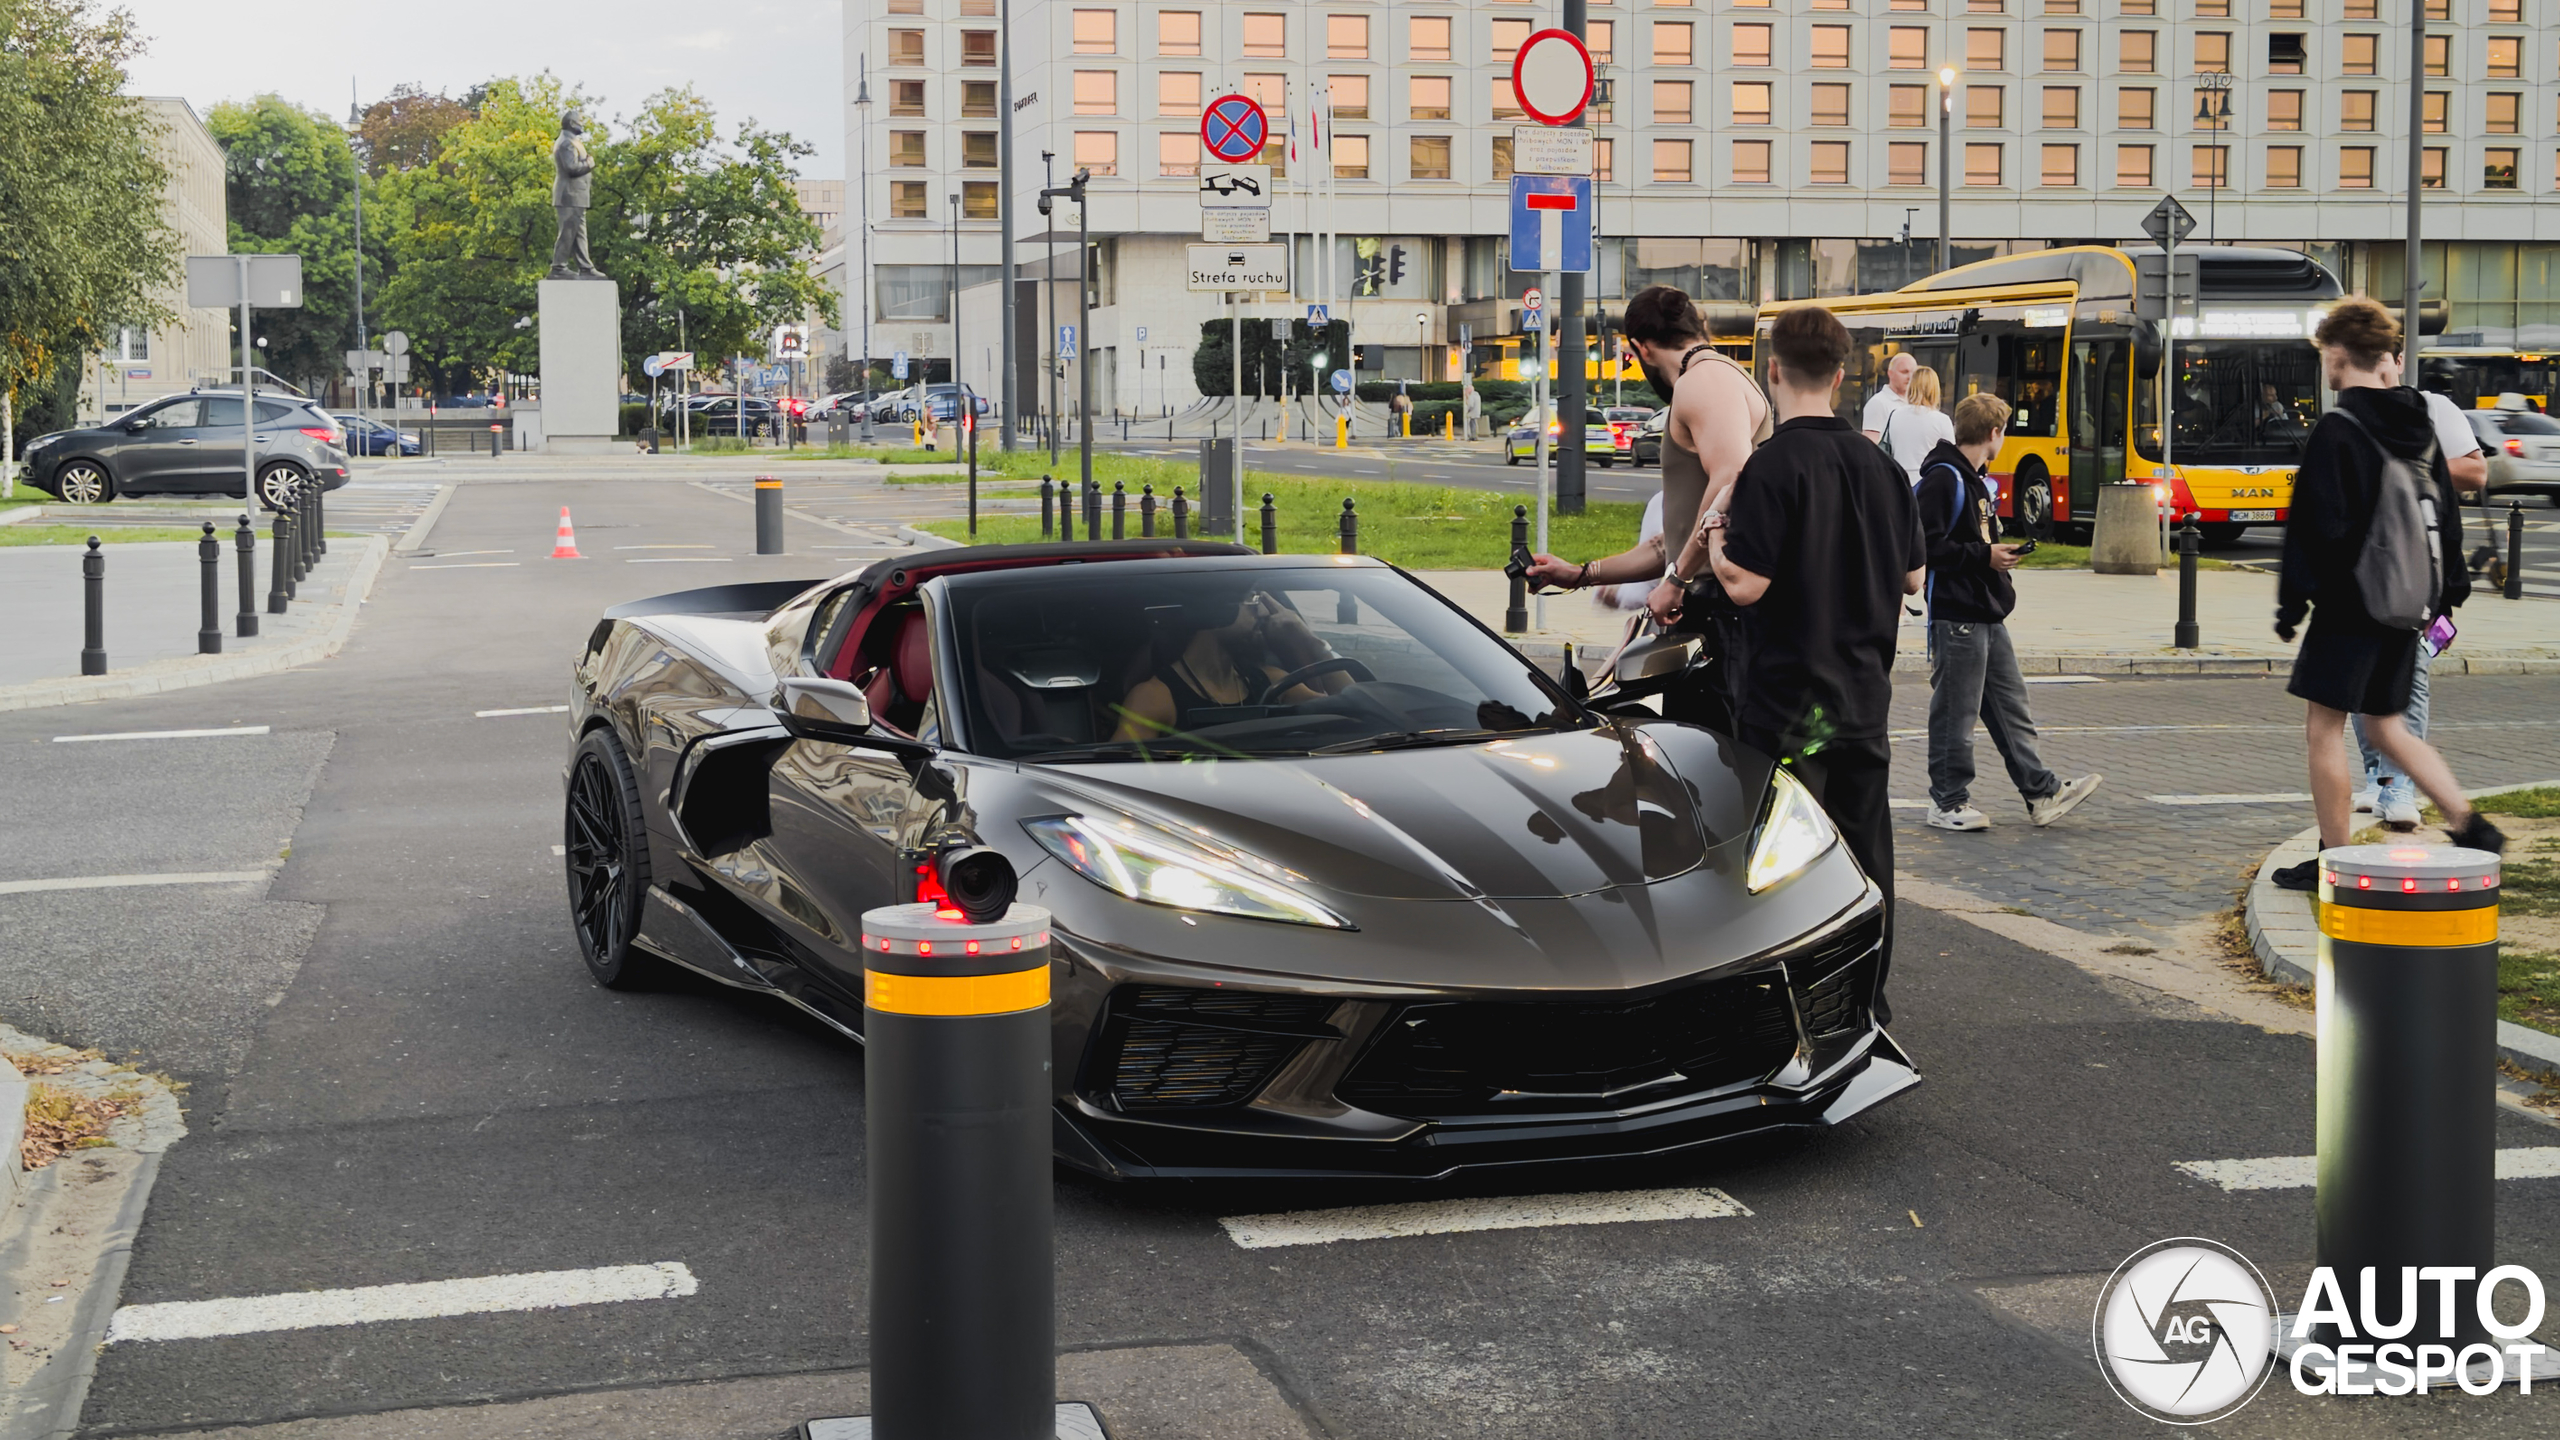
(2408, 1008)
(957, 1094)
(768, 515)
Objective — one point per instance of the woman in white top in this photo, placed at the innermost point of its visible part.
(1915, 428)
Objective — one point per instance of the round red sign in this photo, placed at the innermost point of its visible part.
(1551, 76)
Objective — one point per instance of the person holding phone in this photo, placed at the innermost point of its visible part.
(1973, 669)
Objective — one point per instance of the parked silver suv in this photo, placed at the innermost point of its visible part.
(190, 445)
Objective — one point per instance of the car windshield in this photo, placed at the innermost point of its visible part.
(2525, 422)
(1159, 660)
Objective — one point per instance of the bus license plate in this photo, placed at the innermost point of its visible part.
(2253, 514)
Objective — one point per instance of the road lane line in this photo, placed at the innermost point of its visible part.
(126, 882)
(522, 710)
(161, 734)
(459, 554)
(2268, 797)
(676, 560)
(661, 547)
(2066, 679)
(434, 1299)
(2301, 1172)
(473, 565)
(1452, 1217)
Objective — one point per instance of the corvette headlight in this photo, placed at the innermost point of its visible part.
(1793, 834)
(1162, 868)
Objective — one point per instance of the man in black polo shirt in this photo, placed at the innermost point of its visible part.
(1819, 541)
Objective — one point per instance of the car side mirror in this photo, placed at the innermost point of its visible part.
(825, 709)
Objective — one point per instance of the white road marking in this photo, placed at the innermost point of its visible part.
(1451, 1217)
(559, 851)
(473, 565)
(1906, 804)
(677, 560)
(126, 882)
(2300, 1172)
(522, 710)
(161, 734)
(434, 1299)
(661, 547)
(459, 554)
(2267, 797)
(2066, 679)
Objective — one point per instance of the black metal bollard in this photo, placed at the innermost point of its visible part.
(496, 433)
(301, 533)
(1093, 509)
(957, 1129)
(209, 585)
(319, 520)
(93, 599)
(2190, 546)
(768, 515)
(1270, 525)
(1350, 527)
(1119, 510)
(650, 437)
(245, 541)
(1181, 515)
(1147, 511)
(280, 565)
(2406, 1110)
(1049, 508)
(973, 477)
(2515, 551)
(1515, 615)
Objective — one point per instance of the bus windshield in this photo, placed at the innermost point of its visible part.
(2240, 402)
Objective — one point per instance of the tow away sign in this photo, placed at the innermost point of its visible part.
(1238, 267)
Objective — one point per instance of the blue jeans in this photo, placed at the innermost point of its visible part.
(1974, 671)
(2378, 766)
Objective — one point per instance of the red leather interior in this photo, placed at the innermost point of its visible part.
(913, 659)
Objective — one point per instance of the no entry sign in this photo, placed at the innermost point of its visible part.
(1233, 128)
(1551, 76)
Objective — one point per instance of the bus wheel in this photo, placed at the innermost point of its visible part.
(2218, 534)
(2031, 505)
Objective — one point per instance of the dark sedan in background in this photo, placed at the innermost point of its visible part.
(368, 436)
(191, 445)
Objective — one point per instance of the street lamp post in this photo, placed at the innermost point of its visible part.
(2413, 263)
(1074, 190)
(1007, 381)
(1946, 164)
(2213, 113)
(959, 392)
(862, 109)
(1051, 226)
(364, 379)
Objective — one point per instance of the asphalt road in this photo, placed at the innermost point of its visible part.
(422, 1084)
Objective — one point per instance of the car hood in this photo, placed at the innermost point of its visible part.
(1546, 816)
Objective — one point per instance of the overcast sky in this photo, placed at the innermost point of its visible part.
(779, 61)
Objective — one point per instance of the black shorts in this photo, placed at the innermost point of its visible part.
(2360, 669)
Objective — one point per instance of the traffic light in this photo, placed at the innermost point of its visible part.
(1395, 264)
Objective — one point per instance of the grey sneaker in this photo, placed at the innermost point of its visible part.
(2058, 804)
(2397, 808)
(1963, 817)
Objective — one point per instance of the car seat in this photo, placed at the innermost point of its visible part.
(898, 689)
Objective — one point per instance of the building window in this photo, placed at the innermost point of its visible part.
(2362, 10)
(1178, 152)
(1830, 163)
(2213, 9)
(2133, 166)
(977, 7)
(1178, 32)
(2431, 167)
(2213, 52)
(1830, 47)
(1983, 107)
(906, 7)
(978, 200)
(1501, 157)
(906, 97)
(2284, 109)
(2355, 54)
(1673, 43)
(1671, 102)
(1906, 106)
(906, 47)
(1671, 160)
(1986, 7)
(2506, 12)
(2355, 109)
(2284, 9)
(977, 47)
(2062, 7)
(910, 200)
(1097, 92)
(1350, 157)
(1430, 157)
(1906, 162)
(1350, 95)
(906, 149)
(2061, 167)
(2506, 59)
(1098, 151)
(131, 344)
(1986, 49)
(1346, 37)
(2135, 109)
(1830, 105)
(977, 99)
(1266, 37)
(2502, 111)
(1907, 48)
(1428, 37)
(2284, 167)
(2431, 112)
(1600, 41)
(2136, 50)
(1097, 32)
(2355, 167)
(1506, 101)
(1604, 155)
(1750, 161)
(1178, 92)
(2137, 7)
(2211, 166)
(977, 149)
(1275, 153)
(1981, 164)
(2286, 54)
(2062, 107)
(2440, 55)
(1430, 97)
(1909, 5)
(1508, 36)
(1271, 92)
(2062, 50)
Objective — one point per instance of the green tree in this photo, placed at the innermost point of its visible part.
(84, 247)
(290, 178)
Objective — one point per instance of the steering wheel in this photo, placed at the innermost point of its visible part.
(1305, 673)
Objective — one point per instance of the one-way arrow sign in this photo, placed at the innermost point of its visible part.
(2168, 223)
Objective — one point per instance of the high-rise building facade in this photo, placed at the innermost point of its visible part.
(1746, 152)
(194, 347)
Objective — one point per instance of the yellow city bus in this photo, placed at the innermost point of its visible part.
(2476, 377)
(2053, 333)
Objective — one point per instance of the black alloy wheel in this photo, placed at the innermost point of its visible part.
(2031, 506)
(84, 482)
(277, 486)
(608, 862)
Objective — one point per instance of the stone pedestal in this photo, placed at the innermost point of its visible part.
(581, 366)
(2127, 536)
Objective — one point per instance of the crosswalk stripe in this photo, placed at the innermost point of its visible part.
(435, 1299)
(128, 882)
(2267, 797)
(2300, 1172)
(161, 734)
(1451, 1217)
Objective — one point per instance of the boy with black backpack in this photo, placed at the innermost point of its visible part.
(1972, 667)
(2373, 552)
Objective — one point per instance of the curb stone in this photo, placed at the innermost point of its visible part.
(2287, 940)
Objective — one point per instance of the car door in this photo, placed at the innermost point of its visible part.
(214, 461)
(157, 447)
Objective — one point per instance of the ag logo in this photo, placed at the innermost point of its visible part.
(2185, 1331)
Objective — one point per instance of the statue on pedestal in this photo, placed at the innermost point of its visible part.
(572, 166)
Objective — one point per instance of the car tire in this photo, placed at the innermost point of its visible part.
(84, 482)
(1510, 457)
(607, 859)
(277, 484)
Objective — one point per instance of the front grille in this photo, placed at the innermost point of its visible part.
(1834, 981)
(1166, 1048)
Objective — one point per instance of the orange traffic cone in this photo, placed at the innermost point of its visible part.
(565, 547)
